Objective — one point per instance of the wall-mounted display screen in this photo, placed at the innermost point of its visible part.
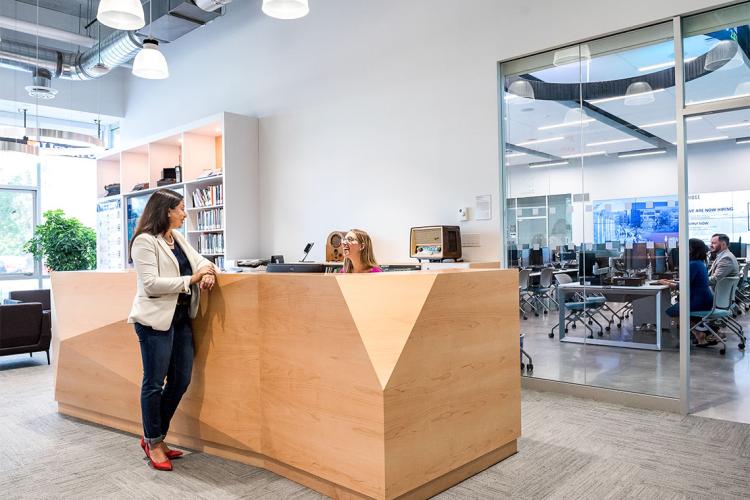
(135, 206)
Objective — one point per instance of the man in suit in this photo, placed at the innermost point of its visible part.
(724, 263)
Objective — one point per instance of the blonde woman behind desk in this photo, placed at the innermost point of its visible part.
(358, 253)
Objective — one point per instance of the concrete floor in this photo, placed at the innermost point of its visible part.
(720, 385)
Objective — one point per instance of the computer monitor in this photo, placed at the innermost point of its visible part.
(737, 249)
(524, 256)
(674, 258)
(567, 255)
(536, 258)
(513, 256)
(546, 256)
(296, 267)
(637, 257)
(660, 260)
(586, 263)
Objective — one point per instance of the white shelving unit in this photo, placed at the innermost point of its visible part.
(227, 227)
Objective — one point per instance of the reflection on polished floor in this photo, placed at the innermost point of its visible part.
(720, 385)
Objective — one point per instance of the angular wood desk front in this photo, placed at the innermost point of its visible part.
(380, 386)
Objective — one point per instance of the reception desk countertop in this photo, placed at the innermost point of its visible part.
(360, 386)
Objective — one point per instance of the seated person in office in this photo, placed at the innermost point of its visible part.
(724, 263)
(358, 253)
(701, 298)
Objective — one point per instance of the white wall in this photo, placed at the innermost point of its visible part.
(379, 115)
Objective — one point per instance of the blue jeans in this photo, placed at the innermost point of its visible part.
(165, 354)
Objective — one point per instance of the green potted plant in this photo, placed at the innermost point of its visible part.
(63, 243)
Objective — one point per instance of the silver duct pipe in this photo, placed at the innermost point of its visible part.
(116, 49)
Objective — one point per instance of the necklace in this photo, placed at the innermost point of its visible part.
(170, 241)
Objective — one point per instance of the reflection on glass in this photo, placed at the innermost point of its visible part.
(16, 228)
(591, 214)
(717, 46)
(17, 169)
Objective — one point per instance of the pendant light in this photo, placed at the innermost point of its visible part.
(638, 94)
(723, 55)
(572, 55)
(521, 88)
(576, 117)
(121, 14)
(150, 63)
(285, 9)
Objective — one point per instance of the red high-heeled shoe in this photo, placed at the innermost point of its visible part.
(165, 465)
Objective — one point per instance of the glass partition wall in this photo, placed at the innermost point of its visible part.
(628, 210)
(590, 179)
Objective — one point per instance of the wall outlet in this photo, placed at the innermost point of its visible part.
(470, 239)
(463, 214)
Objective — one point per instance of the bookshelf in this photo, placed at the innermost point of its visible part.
(218, 164)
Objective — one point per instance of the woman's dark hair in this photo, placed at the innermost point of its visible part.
(155, 217)
(698, 249)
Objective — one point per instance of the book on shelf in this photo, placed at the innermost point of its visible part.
(208, 196)
(210, 219)
(211, 243)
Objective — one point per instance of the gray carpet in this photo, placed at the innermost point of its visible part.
(571, 448)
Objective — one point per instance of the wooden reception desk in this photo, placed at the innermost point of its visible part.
(380, 385)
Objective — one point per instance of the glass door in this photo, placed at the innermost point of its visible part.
(17, 224)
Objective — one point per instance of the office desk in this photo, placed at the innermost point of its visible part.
(359, 386)
(644, 310)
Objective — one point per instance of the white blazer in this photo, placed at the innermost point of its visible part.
(159, 280)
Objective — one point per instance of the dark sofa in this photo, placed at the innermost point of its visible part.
(25, 323)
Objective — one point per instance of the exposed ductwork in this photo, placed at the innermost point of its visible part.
(114, 50)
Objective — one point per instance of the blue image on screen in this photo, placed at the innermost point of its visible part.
(135, 206)
(636, 219)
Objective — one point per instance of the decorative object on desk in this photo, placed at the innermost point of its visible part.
(307, 249)
(63, 243)
(209, 172)
(435, 243)
(277, 259)
(334, 250)
(112, 189)
(141, 186)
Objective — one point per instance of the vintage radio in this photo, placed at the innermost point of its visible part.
(435, 243)
(334, 250)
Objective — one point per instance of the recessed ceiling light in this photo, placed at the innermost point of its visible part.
(707, 139)
(667, 64)
(613, 141)
(567, 124)
(637, 94)
(734, 125)
(670, 122)
(540, 141)
(724, 98)
(514, 155)
(645, 152)
(548, 164)
(743, 140)
(585, 155)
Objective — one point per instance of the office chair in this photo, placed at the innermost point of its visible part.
(582, 308)
(721, 313)
(538, 294)
(523, 293)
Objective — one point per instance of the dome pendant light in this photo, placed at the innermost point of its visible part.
(285, 9)
(150, 62)
(521, 88)
(638, 94)
(121, 14)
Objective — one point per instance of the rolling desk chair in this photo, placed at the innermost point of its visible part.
(721, 313)
(538, 294)
(581, 307)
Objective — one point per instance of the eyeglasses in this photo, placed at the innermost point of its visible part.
(349, 241)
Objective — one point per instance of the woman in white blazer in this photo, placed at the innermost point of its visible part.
(170, 276)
